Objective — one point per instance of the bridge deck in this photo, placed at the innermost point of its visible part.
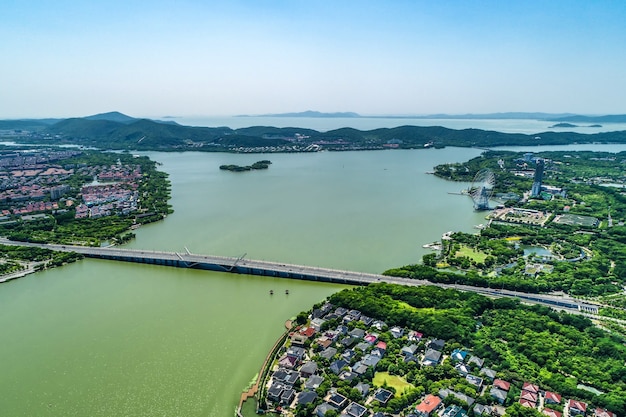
(293, 271)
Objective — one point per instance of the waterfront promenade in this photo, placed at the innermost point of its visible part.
(243, 265)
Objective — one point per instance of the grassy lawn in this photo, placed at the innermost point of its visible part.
(471, 253)
(392, 380)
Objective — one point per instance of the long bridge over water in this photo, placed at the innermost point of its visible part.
(242, 265)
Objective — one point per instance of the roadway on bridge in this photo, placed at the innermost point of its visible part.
(564, 302)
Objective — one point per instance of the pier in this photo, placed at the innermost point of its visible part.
(242, 265)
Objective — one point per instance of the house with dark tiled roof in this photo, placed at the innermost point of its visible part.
(382, 395)
(363, 346)
(279, 375)
(475, 381)
(358, 333)
(348, 354)
(363, 389)
(328, 353)
(359, 368)
(323, 408)
(337, 366)
(551, 413)
(275, 391)
(366, 320)
(577, 407)
(313, 382)
(308, 369)
(428, 406)
(347, 376)
(354, 410)
(397, 332)
(292, 377)
(306, 397)
(409, 350)
(552, 398)
(356, 314)
(475, 360)
(498, 394)
(445, 393)
(370, 360)
(340, 311)
(480, 410)
(348, 341)
(287, 396)
(488, 373)
(337, 400)
(431, 357)
(296, 352)
(437, 344)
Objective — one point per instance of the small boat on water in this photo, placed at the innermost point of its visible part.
(271, 292)
(286, 291)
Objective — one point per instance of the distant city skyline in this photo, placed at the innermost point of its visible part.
(223, 58)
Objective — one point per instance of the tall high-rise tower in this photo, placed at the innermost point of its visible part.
(536, 190)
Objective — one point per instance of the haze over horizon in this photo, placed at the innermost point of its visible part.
(150, 59)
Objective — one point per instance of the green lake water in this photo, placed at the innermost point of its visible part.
(102, 338)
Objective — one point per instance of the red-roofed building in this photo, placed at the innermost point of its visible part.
(381, 345)
(428, 405)
(600, 412)
(552, 413)
(530, 387)
(552, 398)
(527, 403)
(308, 332)
(577, 407)
(503, 385)
(530, 396)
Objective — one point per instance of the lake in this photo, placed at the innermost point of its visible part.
(102, 338)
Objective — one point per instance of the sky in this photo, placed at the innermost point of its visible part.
(389, 57)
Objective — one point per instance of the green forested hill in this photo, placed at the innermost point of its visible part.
(118, 131)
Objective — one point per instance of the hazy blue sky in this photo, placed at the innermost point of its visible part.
(183, 58)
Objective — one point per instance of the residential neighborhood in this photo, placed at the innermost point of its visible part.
(343, 363)
(38, 182)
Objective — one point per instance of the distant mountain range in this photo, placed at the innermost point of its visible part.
(115, 130)
(308, 113)
(552, 117)
(617, 118)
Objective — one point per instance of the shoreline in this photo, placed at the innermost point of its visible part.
(15, 275)
(262, 374)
